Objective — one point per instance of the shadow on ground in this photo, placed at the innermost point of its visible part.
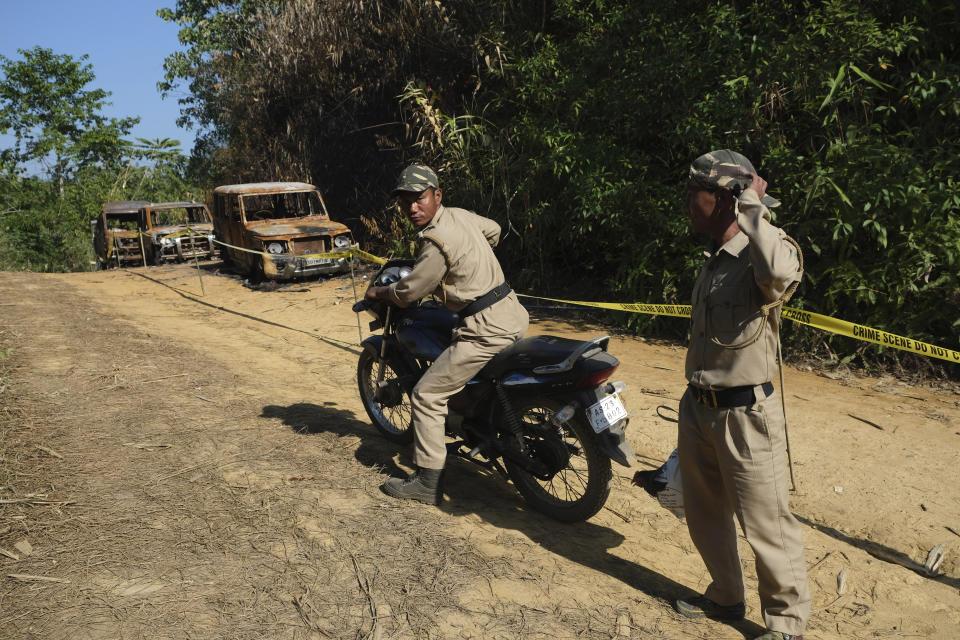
(308, 418)
(470, 489)
(881, 552)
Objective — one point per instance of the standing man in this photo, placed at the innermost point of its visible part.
(456, 262)
(731, 428)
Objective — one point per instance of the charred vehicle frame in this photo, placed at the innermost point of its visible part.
(177, 231)
(116, 234)
(269, 229)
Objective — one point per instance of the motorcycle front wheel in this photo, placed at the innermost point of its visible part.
(393, 419)
(580, 489)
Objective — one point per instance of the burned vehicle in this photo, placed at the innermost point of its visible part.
(177, 231)
(271, 228)
(116, 234)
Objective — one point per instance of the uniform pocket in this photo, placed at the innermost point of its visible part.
(732, 314)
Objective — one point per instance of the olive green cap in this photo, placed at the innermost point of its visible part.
(416, 178)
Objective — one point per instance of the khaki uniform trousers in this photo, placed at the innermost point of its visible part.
(732, 461)
(480, 337)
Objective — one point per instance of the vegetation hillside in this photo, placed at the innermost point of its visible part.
(573, 123)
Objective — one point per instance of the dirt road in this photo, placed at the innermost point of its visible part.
(187, 463)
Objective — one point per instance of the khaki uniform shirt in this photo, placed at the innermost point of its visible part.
(456, 261)
(753, 268)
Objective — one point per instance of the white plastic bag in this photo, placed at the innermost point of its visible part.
(664, 484)
(670, 496)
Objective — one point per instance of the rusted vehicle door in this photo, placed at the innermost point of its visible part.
(228, 228)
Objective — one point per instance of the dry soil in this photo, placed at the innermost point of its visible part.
(182, 461)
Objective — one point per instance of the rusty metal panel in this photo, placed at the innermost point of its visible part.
(264, 187)
(123, 206)
(299, 246)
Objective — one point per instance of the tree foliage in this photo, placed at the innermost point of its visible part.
(55, 120)
(66, 160)
(572, 123)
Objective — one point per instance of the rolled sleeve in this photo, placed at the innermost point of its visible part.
(426, 276)
(775, 261)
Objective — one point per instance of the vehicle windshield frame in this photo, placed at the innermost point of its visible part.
(200, 213)
(250, 203)
(121, 218)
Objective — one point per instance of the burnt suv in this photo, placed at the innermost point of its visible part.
(283, 220)
(116, 234)
(177, 231)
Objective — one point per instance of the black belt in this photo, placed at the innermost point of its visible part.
(731, 396)
(489, 298)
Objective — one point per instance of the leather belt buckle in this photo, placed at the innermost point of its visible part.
(706, 397)
(710, 399)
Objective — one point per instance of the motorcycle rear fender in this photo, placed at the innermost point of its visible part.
(613, 443)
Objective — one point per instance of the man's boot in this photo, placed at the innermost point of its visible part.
(422, 485)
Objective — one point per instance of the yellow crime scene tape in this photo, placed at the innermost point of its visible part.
(826, 323)
(187, 231)
(869, 334)
(676, 310)
(346, 253)
(816, 320)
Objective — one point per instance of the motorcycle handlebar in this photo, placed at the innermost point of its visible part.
(361, 305)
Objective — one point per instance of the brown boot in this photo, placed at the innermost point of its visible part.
(422, 485)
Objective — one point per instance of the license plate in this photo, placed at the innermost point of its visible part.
(606, 413)
(312, 262)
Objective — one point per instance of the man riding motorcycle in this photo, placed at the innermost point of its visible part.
(456, 263)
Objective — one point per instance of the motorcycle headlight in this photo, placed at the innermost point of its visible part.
(392, 274)
(341, 242)
(275, 247)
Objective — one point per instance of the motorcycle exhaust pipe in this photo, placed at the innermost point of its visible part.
(564, 414)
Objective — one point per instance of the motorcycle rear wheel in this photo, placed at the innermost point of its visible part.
(580, 489)
(395, 423)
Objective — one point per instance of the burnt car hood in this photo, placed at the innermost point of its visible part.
(205, 227)
(295, 227)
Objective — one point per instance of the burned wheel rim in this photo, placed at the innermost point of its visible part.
(579, 489)
(395, 422)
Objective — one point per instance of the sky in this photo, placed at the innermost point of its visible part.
(126, 42)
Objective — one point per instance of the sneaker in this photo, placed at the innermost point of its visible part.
(704, 607)
(778, 635)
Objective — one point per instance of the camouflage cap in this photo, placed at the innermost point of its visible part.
(725, 169)
(416, 178)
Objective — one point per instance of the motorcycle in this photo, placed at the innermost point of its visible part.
(543, 406)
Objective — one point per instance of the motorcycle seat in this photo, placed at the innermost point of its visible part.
(530, 353)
